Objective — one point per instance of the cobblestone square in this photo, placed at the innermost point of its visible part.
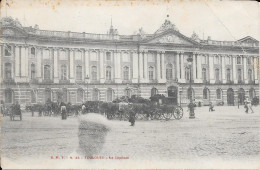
(228, 134)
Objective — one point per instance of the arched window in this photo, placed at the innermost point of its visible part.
(32, 51)
(251, 93)
(250, 75)
(204, 74)
(33, 96)
(46, 54)
(108, 56)
(47, 72)
(80, 96)
(63, 72)
(205, 93)
(228, 60)
(126, 73)
(219, 93)
(217, 75)
(239, 75)
(110, 95)
(239, 60)
(187, 73)
(169, 71)
(64, 95)
(8, 96)
(128, 93)
(95, 95)
(8, 50)
(154, 91)
(94, 73)
(217, 59)
(108, 73)
(228, 74)
(8, 70)
(47, 94)
(190, 93)
(78, 55)
(93, 56)
(204, 59)
(151, 73)
(249, 60)
(79, 72)
(33, 71)
(63, 55)
(126, 57)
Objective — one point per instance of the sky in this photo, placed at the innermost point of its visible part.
(221, 20)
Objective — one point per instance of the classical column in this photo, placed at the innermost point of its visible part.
(163, 68)
(1, 56)
(194, 67)
(55, 65)
(86, 56)
(182, 68)
(71, 70)
(158, 66)
(256, 66)
(26, 63)
(141, 67)
(177, 63)
(135, 67)
(234, 70)
(118, 66)
(223, 67)
(146, 79)
(39, 64)
(245, 68)
(199, 68)
(23, 61)
(17, 61)
(211, 69)
(101, 62)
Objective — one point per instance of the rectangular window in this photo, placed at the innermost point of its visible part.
(93, 56)
(79, 72)
(108, 56)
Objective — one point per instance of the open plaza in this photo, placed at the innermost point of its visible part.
(227, 134)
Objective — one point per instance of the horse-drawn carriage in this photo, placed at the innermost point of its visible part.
(153, 110)
(15, 111)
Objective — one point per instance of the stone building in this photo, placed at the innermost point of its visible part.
(37, 65)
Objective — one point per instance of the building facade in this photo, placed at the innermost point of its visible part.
(37, 65)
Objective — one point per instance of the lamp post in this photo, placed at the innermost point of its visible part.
(87, 78)
(191, 105)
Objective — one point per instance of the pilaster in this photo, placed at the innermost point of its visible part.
(71, 66)
(135, 67)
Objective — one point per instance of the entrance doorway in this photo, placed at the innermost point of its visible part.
(230, 97)
(172, 95)
(241, 96)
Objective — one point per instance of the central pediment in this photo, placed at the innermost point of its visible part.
(170, 37)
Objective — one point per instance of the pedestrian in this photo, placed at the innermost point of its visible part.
(132, 118)
(211, 107)
(246, 106)
(83, 109)
(249, 105)
(63, 111)
(238, 102)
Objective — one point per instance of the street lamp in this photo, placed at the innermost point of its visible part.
(87, 78)
(191, 105)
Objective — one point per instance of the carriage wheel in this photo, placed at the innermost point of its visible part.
(158, 116)
(167, 115)
(178, 113)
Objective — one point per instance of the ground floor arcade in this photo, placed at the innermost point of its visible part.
(176, 93)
